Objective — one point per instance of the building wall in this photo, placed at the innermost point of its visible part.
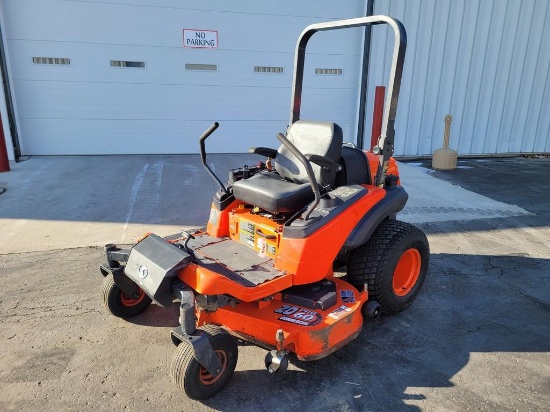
(3, 107)
(89, 107)
(484, 62)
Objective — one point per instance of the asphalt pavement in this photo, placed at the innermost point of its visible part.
(477, 337)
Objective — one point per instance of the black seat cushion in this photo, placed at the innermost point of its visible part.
(269, 191)
(289, 189)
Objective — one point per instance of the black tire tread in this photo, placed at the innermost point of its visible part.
(111, 293)
(371, 263)
(184, 359)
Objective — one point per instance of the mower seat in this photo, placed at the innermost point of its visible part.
(288, 189)
(355, 168)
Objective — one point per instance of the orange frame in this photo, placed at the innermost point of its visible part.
(302, 261)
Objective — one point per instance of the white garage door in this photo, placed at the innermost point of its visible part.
(113, 77)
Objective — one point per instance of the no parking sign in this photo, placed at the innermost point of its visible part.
(200, 39)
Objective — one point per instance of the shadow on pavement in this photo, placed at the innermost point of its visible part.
(151, 189)
(470, 305)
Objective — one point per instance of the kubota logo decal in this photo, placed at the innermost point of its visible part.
(143, 271)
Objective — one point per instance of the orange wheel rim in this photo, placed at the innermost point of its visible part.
(206, 377)
(406, 272)
(130, 301)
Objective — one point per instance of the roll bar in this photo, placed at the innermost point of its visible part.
(390, 107)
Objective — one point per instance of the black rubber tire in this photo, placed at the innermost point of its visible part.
(186, 371)
(114, 300)
(374, 263)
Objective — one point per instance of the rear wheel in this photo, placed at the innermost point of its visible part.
(192, 378)
(120, 304)
(393, 264)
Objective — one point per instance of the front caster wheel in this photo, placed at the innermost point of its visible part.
(371, 310)
(121, 305)
(192, 378)
(276, 362)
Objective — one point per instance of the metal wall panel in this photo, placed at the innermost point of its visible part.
(483, 61)
(3, 101)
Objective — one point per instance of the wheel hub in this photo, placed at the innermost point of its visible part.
(406, 272)
(132, 300)
(206, 377)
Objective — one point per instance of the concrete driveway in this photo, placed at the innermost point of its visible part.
(477, 337)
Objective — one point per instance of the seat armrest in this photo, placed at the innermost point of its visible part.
(324, 162)
(263, 151)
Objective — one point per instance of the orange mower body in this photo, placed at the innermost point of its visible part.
(296, 253)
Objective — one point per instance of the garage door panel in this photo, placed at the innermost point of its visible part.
(89, 137)
(82, 101)
(284, 8)
(70, 137)
(107, 23)
(91, 63)
(89, 107)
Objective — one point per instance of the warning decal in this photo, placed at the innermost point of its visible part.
(340, 312)
(347, 296)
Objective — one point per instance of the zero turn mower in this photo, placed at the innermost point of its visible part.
(262, 270)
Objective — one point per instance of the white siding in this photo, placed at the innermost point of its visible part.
(91, 108)
(3, 106)
(483, 61)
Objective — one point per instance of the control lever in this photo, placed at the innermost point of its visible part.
(202, 139)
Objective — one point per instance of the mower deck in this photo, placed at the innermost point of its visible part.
(316, 320)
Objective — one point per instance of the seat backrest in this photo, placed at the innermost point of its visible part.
(310, 137)
(355, 168)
